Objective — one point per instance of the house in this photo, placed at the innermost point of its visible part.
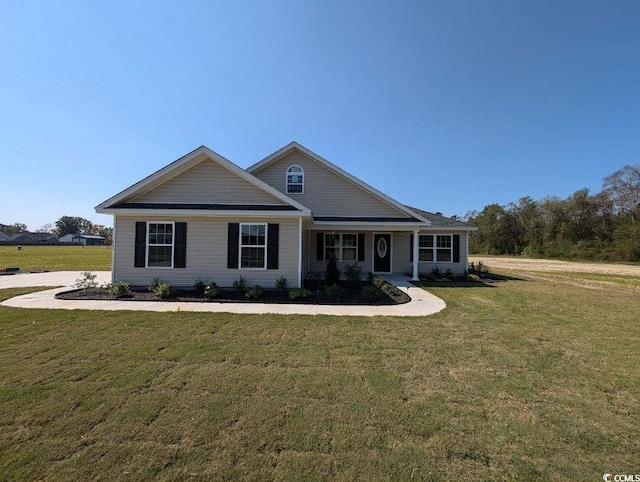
(4, 237)
(203, 216)
(27, 237)
(85, 239)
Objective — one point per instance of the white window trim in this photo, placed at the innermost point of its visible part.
(434, 248)
(341, 247)
(286, 180)
(240, 246)
(173, 244)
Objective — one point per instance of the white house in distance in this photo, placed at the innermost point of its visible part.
(86, 239)
(203, 216)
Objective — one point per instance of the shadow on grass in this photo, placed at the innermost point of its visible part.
(489, 281)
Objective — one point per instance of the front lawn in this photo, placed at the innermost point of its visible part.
(520, 380)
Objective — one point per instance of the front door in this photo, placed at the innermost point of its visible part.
(382, 253)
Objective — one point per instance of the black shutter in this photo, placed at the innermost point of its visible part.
(233, 239)
(360, 246)
(141, 244)
(320, 246)
(180, 249)
(456, 248)
(273, 235)
(411, 247)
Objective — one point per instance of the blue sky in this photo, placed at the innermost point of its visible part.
(447, 105)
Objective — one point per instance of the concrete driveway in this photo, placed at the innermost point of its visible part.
(422, 303)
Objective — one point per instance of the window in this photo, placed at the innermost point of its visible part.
(343, 246)
(253, 246)
(295, 180)
(443, 248)
(435, 247)
(426, 247)
(160, 245)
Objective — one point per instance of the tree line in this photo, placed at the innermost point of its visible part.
(603, 226)
(63, 226)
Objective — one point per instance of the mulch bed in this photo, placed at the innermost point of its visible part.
(351, 295)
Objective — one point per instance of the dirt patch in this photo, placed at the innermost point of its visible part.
(530, 264)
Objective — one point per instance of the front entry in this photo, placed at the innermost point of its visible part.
(382, 253)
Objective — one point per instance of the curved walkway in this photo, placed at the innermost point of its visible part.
(421, 304)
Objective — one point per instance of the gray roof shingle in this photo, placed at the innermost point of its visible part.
(438, 220)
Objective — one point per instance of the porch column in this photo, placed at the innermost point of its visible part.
(299, 252)
(416, 240)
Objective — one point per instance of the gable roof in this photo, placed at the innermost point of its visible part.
(4, 237)
(337, 170)
(438, 220)
(180, 165)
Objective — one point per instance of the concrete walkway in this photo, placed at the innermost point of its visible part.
(421, 304)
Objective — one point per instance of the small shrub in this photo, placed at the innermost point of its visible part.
(370, 293)
(478, 268)
(436, 272)
(299, 294)
(240, 285)
(448, 274)
(333, 292)
(119, 289)
(281, 284)
(255, 293)
(164, 291)
(370, 276)
(87, 281)
(378, 281)
(352, 272)
(472, 277)
(332, 273)
(153, 286)
(200, 285)
(212, 291)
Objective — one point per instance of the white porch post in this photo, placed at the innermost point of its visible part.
(299, 252)
(416, 240)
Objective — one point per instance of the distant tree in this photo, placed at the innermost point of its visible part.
(13, 228)
(623, 187)
(104, 231)
(73, 225)
(47, 228)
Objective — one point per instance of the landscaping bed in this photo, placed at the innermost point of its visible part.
(347, 293)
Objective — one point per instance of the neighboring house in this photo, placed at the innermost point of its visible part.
(86, 239)
(204, 217)
(27, 237)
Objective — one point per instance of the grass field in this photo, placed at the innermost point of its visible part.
(56, 258)
(530, 379)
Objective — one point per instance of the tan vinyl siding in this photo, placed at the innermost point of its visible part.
(325, 192)
(206, 253)
(208, 182)
(402, 255)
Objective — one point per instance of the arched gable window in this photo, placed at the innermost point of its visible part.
(295, 180)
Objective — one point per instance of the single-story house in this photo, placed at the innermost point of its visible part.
(4, 237)
(27, 237)
(86, 239)
(203, 216)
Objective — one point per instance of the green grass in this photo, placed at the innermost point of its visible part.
(56, 258)
(526, 380)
